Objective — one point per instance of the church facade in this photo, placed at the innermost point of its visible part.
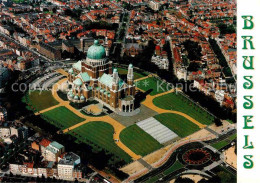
(96, 79)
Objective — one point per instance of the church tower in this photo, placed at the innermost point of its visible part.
(130, 80)
(115, 88)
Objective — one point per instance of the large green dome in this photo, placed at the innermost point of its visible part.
(96, 51)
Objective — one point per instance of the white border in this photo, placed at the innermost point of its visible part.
(248, 7)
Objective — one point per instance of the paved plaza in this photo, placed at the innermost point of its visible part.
(144, 113)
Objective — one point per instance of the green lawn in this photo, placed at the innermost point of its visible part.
(220, 144)
(155, 85)
(100, 135)
(138, 140)
(122, 71)
(232, 137)
(176, 166)
(39, 100)
(62, 117)
(178, 124)
(175, 101)
(224, 142)
(153, 179)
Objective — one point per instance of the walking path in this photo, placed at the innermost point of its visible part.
(48, 109)
(149, 103)
(118, 127)
(145, 164)
(212, 131)
(61, 71)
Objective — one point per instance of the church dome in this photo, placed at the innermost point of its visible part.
(96, 51)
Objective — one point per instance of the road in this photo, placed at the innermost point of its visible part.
(159, 171)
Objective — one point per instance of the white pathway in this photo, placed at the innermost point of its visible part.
(158, 131)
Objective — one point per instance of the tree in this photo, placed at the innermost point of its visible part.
(193, 66)
(54, 10)
(226, 177)
(194, 50)
(218, 122)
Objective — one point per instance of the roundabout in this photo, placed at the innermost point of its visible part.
(196, 156)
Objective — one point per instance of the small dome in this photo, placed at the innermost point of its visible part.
(130, 65)
(76, 97)
(96, 51)
(82, 97)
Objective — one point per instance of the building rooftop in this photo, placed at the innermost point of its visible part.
(56, 145)
(70, 159)
(45, 142)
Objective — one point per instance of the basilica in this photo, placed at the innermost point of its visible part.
(95, 78)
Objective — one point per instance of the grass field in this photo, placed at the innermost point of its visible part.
(122, 71)
(39, 100)
(223, 143)
(157, 86)
(220, 144)
(177, 102)
(153, 179)
(232, 137)
(100, 135)
(177, 165)
(138, 140)
(62, 117)
(178, 124)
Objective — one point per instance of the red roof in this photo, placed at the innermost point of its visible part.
(230, 102)
(29, 165)
(45, 142)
